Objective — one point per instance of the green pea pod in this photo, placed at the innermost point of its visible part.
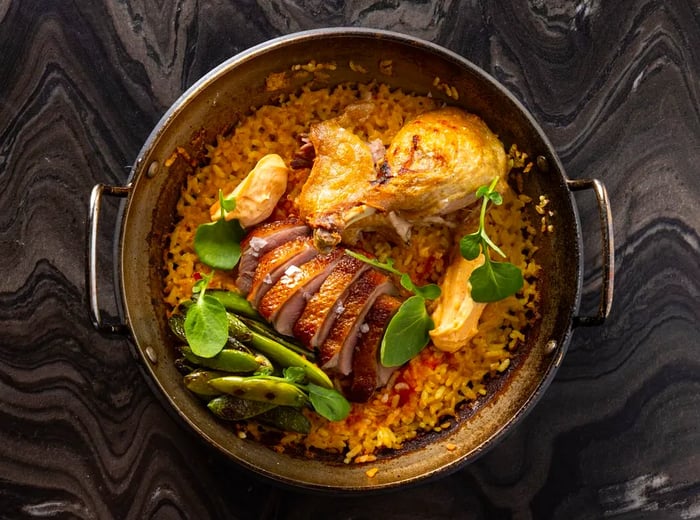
(177, 325)
(197, 382)
(285, 418)
(261, 389)
(238, 330)
(233, 408)
(228, 360)
(236, 303)
(287, 358)
(265, 330)
(234, 344)
(266, 367)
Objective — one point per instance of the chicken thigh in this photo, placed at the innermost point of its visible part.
(433, 166)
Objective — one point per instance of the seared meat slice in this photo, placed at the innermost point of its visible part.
(366, 368)
(261, 240)
(336, 352)
(284, 302)
(274, 263)
(315, 322)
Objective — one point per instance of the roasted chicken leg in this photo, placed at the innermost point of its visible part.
(433, 166)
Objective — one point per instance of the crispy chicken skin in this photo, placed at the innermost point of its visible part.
(433, 166)
(436, 162)
(342, 172)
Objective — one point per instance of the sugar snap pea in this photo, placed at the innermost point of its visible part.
(236, 303)
(285, 418)
(265, 330)
(237, 329)
(233, 408)
(198, 382)
(288, 358)
(177, 325)
(267, 390)
(228, 360)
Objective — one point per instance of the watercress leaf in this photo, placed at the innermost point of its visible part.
(199, 285)
(496, 198)
(229, 204)
(328, 402)
(206, 326)
(386, 266)
(294, 374)
(470, 246)
(218, 244)
(429, 292)
(407, 333)
(482, 191)
(407, 283)
(494, 281)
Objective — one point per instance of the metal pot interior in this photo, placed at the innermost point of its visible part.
(213, 106)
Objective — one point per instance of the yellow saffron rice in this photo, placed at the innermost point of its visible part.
(423, 395)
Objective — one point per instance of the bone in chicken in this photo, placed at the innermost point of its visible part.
(433, 166)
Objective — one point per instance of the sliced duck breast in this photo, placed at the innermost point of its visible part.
(274, 263)
(337, 350)
(284, 302)
(262, 239)
(366, 367)
(315, 321)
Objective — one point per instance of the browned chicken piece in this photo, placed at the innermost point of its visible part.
(284, 302)
(274, 263)
(436, 162)
(342, 172)
(315, 322)
(366, 367)
(336, 352)
(262, 239)
(433, 166)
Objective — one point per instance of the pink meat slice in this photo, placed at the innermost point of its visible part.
(260, 241)
(274, 263)
(284, 302)
(337, 350)
(367, 371)
(318, 315)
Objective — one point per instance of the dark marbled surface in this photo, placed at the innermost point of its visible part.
(616, 86)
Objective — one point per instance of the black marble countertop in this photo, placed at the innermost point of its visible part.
(616, 87)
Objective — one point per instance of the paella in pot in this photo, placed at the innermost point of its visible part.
(349, 260)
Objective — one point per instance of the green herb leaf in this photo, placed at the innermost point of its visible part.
(407, 333)
(206, 326)
(494, 281)
(429, 291)
(199, 285)
(227, 204)
(294, 374)
(482, 191)
(218, 244)
(470, 246)
(328, 402)
(491, 281)
(496, 198)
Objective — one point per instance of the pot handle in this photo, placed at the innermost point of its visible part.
(608, 249)
(114, 326)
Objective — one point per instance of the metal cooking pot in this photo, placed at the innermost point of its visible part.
(258, 76)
